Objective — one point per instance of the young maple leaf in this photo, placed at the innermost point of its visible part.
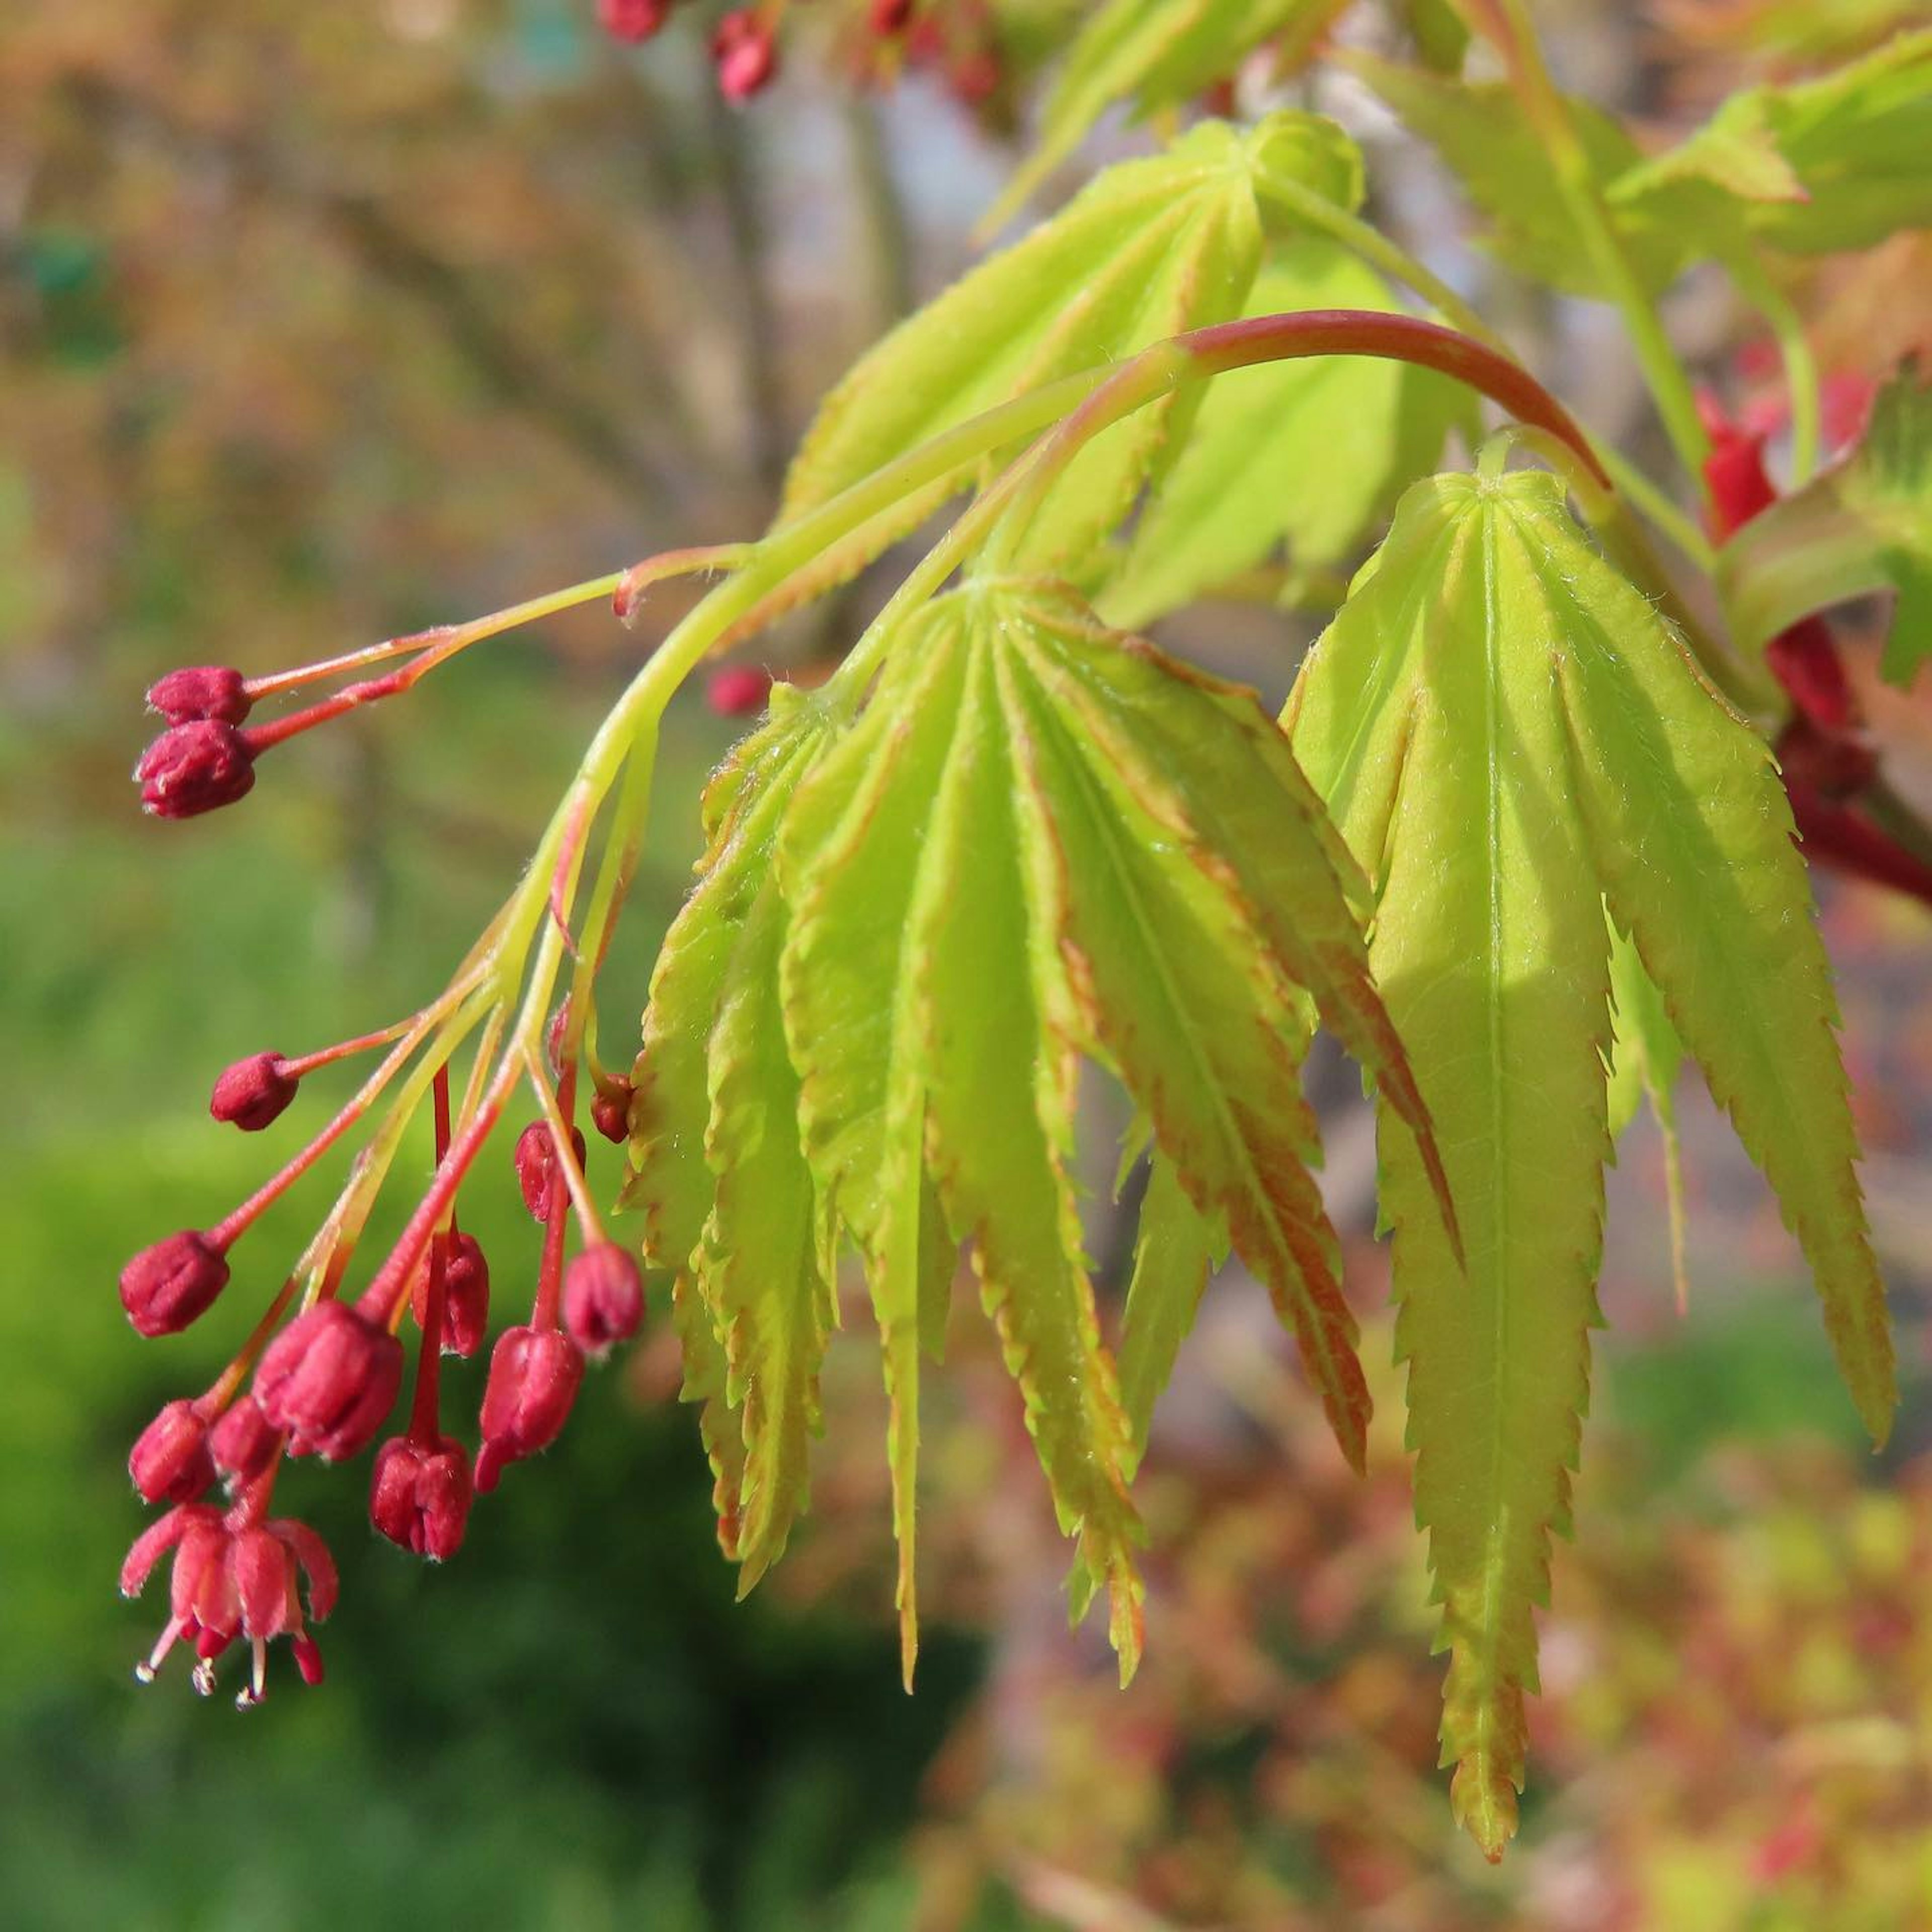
(1039, 842)
(1510, 737)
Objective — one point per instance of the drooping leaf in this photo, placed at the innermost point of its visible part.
(759, 1264)
(1151, 54)
(1176, 1248)
(1508, 735)
(1864, 525)
(1481, 130)
(1209, 770)
(1424, 716)
(861, 873)
(672, 1179)
(1810, 167)
(1024, 852)
(1304, 453)
(1647, 1056)
(1645, 1062)
(1190, 953)
(1698, 860)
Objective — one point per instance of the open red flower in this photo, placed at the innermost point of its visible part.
(233, 1579)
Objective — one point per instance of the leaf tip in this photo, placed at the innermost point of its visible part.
(1483, 1801)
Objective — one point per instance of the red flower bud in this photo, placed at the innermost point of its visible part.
(330, 1378)
(738, 691)
(201, 690)
(243, 1443)
(466, 1296)
(603, 1297)
(890, 17)
(534, 1375)
(253, 1092)
(536, 1165)
(165, 1287)
(419, 1497)
(170, 1463)
(632, 20)
(610, 1111)
(746, 54)
(193, 768)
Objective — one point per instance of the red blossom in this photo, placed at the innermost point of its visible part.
(745, 52)
(195, 767)
(466, 1296)
(420, 1494)
(534, 1376)
(632, 20)
(738, 691)
(603, 1297)
(330, 1378)
(243, 1443)
(164, 1287)
(217, 691)
(536, 1165)
(610, 1111)
(170, 1461)
(253, 1092)
(233, 1577)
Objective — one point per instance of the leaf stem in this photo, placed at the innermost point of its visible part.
(1508, 23)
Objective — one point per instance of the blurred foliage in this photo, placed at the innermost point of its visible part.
(319, 324)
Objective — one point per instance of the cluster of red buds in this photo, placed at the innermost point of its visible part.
(744, 44)
(957, 44)
(956, 41)
(1829, 763)
(321, 1370)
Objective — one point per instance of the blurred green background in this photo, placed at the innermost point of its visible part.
(317, 327)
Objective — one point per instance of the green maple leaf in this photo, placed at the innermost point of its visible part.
(718, 1170)
(1481, 132)
(1509, 736)
(1041, 842)
(1151, 54)
(1837, 162)
(1149, 249)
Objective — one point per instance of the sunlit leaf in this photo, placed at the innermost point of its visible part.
(1474, 716)
(1151, 54)
(1176, 1248)
(1043, 840)
(1812, 166)
(759, 1263)
(1481, 132)
(673, 1181)
(1188, 952)
(1645, 1063)
(1150, 249)
(862, 873)
(1301, 453)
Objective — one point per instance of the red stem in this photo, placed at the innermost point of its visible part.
(379, 1300)
(1396, 338)
(423, 1413)
(550, 1272)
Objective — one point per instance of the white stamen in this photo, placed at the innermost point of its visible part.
(144, 1672)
